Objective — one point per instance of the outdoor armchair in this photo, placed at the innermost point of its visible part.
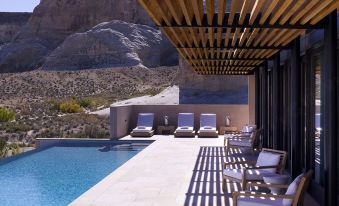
(294, 195)
(269, 162)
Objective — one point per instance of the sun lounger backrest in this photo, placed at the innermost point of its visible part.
(145, 119)
(208, 120)
(186, 120)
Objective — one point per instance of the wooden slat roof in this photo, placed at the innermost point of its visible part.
(222, 37)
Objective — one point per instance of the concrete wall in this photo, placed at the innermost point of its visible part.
(251, 98)
(124, 118)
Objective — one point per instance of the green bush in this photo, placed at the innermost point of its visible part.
(14, 148)
(6, 115)
(85, 102)
(3, 148)
(70, 107)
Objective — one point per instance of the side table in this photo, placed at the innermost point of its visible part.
(224, 129)
(165, 130)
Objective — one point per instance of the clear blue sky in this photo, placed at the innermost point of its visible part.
(18, 5)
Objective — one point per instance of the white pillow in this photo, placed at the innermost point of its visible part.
(292, 189)
(268, 159)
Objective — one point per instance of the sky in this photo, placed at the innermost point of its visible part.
(18, 5)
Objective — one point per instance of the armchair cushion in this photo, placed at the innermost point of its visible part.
(268, 159)
(292, 189)
(257, 201)
(251, 174)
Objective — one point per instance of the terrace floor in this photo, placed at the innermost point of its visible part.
(171, 171)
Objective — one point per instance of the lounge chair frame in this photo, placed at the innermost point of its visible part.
(142, 134)
(184, 134)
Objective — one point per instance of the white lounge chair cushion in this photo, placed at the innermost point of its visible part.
(292, 189)
(268, 159)
(142, 129)
(257, 201)
(184, 129)
(251, 174)
(243, 143)
(208, 129)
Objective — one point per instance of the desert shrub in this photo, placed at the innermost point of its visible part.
(14, 148)
(3, 148)
(93, 131)
(6, 114)
(55, 105)
(69, 107)
(86, 102)
(15, 127)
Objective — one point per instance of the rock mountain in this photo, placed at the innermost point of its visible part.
(84, 34)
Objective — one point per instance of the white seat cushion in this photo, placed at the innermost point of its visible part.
(268, 159)
(257, 201)
(243, 143)
(142, 129)
(184, 129)
(292, 189)
(207, 129)
(252, 174)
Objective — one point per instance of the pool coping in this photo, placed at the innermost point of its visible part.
(70, 142)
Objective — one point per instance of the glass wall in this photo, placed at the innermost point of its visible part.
(318, 121)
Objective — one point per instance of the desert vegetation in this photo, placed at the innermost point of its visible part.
(44, 104)
(6, 114)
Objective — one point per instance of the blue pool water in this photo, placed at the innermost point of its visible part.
(58, 175)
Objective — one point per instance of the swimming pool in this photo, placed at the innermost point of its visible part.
(59, 174)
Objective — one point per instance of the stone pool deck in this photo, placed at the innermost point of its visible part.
(171, 171)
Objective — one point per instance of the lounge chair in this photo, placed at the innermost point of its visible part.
(269, 162)
(208, 124)
(293, 197)
(185, 125)
(242, 140)
(144, 126)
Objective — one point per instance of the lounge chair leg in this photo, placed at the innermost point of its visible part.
(223, 184)
(243, 185)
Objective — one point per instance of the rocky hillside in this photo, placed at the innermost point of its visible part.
(27, 88)
(116, 43)
(10, 25)
(43, 37)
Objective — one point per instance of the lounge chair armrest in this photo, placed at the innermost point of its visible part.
(261, 167)
(238, 138)
(238, 162)
(266, 185)
(242, 135)
(255, 194)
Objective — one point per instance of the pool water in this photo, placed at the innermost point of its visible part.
(58, 175)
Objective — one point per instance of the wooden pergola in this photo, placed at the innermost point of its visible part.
(234, 37)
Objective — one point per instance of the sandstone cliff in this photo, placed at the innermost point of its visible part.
(54, 20)
(10, 25)
(112, 44)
